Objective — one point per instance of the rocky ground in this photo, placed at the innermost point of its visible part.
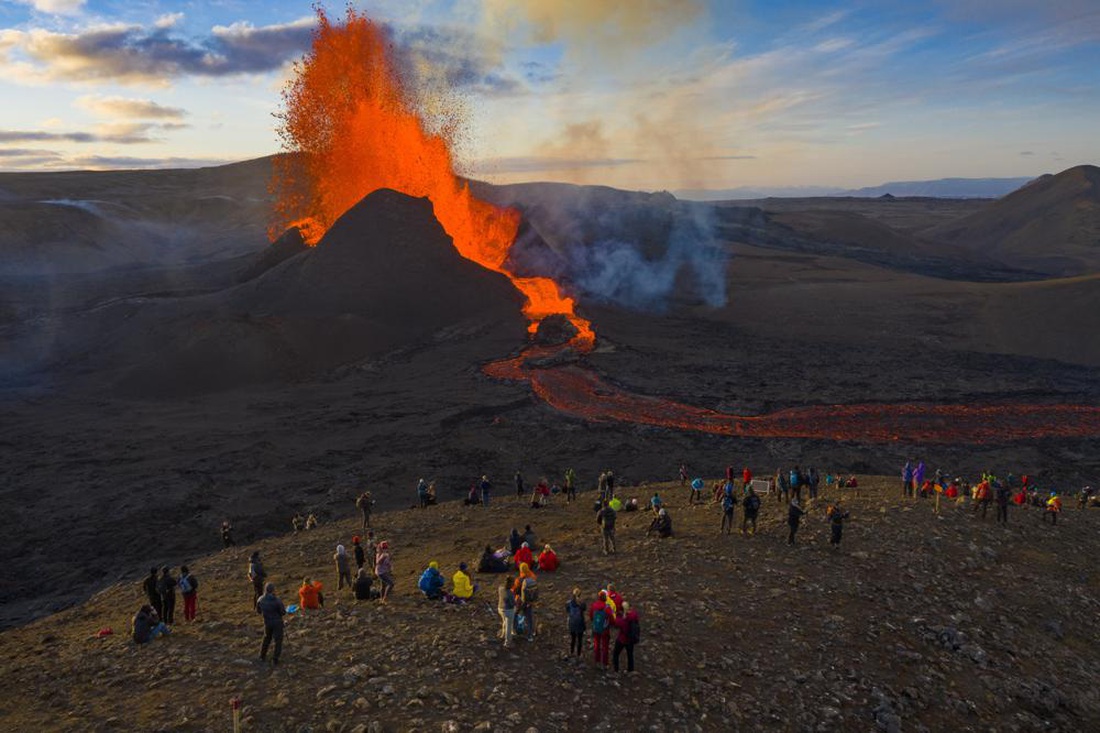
(918, 622)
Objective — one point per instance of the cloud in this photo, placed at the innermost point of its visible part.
(125, 108)
(132, 54)
(454, 58)
(25, 152)
(120, 133)
(55, 7)
(591, 27)
(1026, 153)
(106, 162)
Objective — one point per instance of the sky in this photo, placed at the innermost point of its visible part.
(650, 94)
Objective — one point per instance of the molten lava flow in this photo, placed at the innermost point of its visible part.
(581, 393)
(357, 128)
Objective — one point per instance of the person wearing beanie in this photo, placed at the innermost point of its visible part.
(360, 556)
(463, 586)
(431, 582)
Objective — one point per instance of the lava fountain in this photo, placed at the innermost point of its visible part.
(354, 126)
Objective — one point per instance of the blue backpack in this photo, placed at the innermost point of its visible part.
(599, 621)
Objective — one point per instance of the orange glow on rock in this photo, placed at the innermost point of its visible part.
(356, 127)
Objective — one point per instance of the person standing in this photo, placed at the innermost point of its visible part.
(486, 489)
(1001, 495)
(365, 502)
(683, 474)
(570, 484)
(227, 534)
(610, 484)
(751, 507)
(836, 516)
(630, 633)
(605, 518)
(166, 586)
(422, 493)
(600, 616)
(363, 582)
(272, 609)
(729, 503)
(519, 485)
(370, 551)
(574, 613)
(151, 591)
(189, 588)
(256, 574)
(506, 608)
(383, 568)
(907, 479)
(343, 568)
(360, 556)
(794, 516)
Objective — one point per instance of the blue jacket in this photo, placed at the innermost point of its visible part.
(431, 583)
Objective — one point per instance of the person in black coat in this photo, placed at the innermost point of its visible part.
(490, 563)
(152, 592)
(794, 516)
(166, 586)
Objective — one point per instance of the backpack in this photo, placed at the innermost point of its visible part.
(187, 585)
(521, 623)
(634, 631)
(530, 591)
(599, 621)
(752, 504)
(727, 503)
(796, 480)
(576, 614)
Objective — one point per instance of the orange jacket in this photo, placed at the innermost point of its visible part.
(309, 596)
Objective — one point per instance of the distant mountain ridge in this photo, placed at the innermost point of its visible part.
(948, 188)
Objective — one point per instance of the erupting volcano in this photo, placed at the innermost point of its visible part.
(357, 126)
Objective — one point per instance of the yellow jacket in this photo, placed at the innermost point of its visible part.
(463, 587)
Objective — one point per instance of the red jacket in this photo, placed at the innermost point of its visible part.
(523, 554)
(617, 599)
(746, 476)
(548, 561)
(622, 623)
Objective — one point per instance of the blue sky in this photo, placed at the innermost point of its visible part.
(649, 94)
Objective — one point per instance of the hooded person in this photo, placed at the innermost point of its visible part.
(343, 567)
(548, 559)
(463, 587)
(310, 597)
(629, 634)
(515, 540)
(523, 555)
(431, 581)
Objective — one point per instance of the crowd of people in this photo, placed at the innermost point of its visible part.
(608, 612)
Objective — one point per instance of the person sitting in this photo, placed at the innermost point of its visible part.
(473, 498)
(431, 494)
(662, 524)
(146, 625)
(362, 585)
(523, 555)
(491, 562)
(548, 559)
(851, 483)
(515, 540)
(616, 504)
(463, 586)
(298, 522)
(311, 521)
(631, 505)
(310, 597)
(431, 582)
(529, 536)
